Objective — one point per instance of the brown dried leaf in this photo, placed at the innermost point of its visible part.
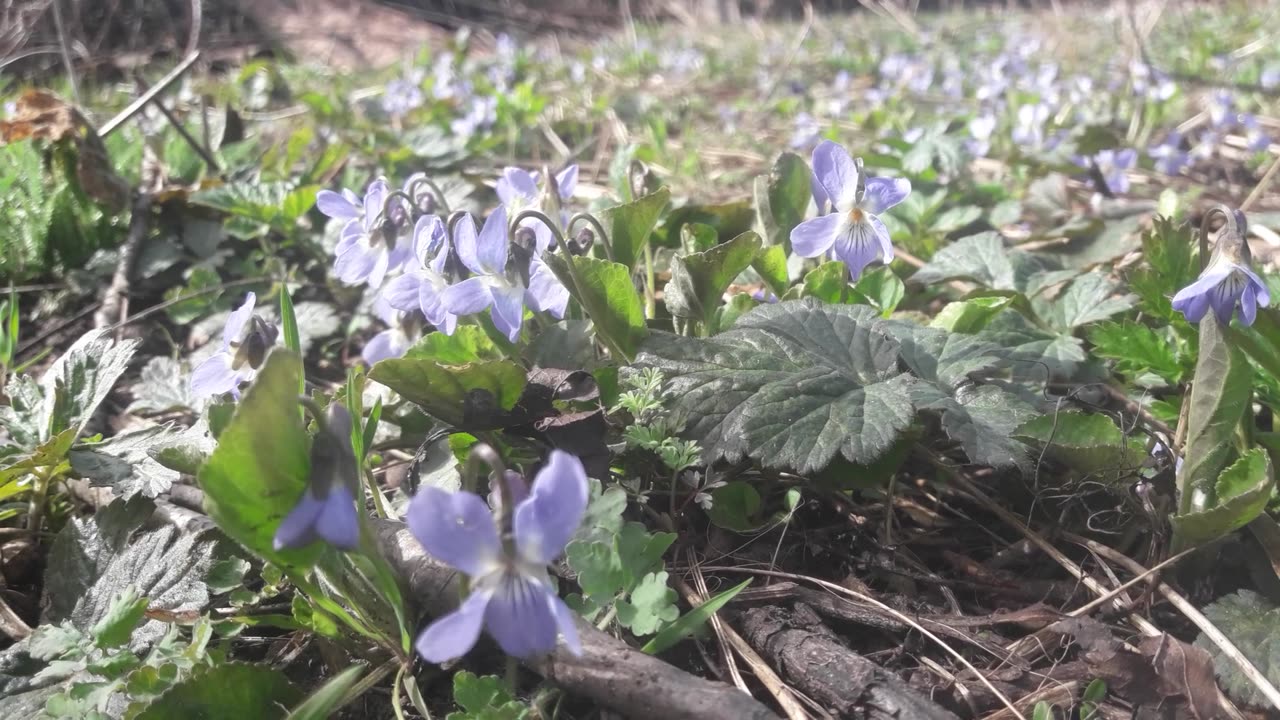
(41, 115)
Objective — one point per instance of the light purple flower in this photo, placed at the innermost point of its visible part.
(518, 190)
(853, 229)
(1113, 164)
(1169, 156)
(403, 330)
(1029, 129)
(326, 511)
(1256, 139)
(1225, 282)
(370, 247)
(245, 341)
(422, 286)
(806, 131)
(980, 130)
(511, 594)
(494, 286)
(1219, 108)
(402, 95)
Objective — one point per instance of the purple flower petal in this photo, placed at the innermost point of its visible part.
(508, 310)
(338, 523)
(820, 198)
(403, 292)
(545, 292)
(468, 297)
(516, 186)
(457, 529)
(381, 264)
(357, 263)
(491, 245)
(380, 347)
(466, 242)
(428, 238)
(566, 623)
(549, 517)
(1259, 287)
(298, 528)
(567, 181)
(883, 193)
(812, 238)
(1248, 306)
(374, 198)
(520, 617)
(859, 245)
(336, 206)
(214, 376)
(453, 635)
(835, 171)
(237, 320)
(351, 234)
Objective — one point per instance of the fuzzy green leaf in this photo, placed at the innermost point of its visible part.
(609, 297)
(470, 397)
(699, 280)
(1252, 623)
(228, 691)
(1238, 496)
(630, 225)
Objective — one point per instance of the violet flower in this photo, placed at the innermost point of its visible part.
(403, 330)
(518, 190)
(370, 247)
(495, 286)
(326, 511)
(511, 594)
(245, 340)
(1227, 280)
(1029, 129)
(423, 284)
(1169, 156)
(1113, 164)
(853, 229)
(1256, 139)
(980, 129)
(806, 131)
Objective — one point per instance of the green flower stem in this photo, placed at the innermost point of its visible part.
(39, 498)
(650, 284)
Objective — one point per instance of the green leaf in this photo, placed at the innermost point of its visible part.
(260, 202)
(791, 385)
(484, 698)
(164, 385)
(1219, 399)
(970, 316)
(296, 204)
(955, 218)
(980, 417)
(882, 288)
(80, 380)
(468, 343)
(729, 219)
(599, 569)
(1090, 297)
(1089, 444)
(690, 622)
(124, 462)
(259, 469)
(49, 642)
(729, 313)
(328, 698)
(1037, 355)
(771, 264)
(699, 280)
(829, 282)
(735, 506)
(650, 607)
(289, 322)
(471, 397)
(1137, 349)
(227, 575)
(1238, 496)
(122, 616)
(782, 199)
(630, 225)
(984, 259)
(227, 691)
(609, 297)
(1252, 623)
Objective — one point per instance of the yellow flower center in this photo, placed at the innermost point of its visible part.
(855, 216)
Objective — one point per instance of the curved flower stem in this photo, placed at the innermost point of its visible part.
(386, 206)
(454, 217)
(435, 191)
(595, 223)
(541, 217)
(1231, 238)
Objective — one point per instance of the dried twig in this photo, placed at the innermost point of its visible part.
(717, 626)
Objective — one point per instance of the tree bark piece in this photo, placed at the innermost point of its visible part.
(812, 658)
(610, 672)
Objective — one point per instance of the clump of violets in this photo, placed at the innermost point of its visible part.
(246, 338)
(370, 246)
(505, 555)
(326, 511)
(518, 190)
(853, 230)
(1228, 279)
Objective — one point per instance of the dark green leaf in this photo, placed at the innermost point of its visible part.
(328, 697)
(228, 691)
(1219, 398)
(699, 280)
(1252, 623)
(1238, 496)
(829, 282)
(1137, 349)
(984, 259)
(471, 396)
(882, 288)
(735, 506)
(1089, 444)
(1089, 298)
(771, 264)
(729, 219)
(791, 385)
(782, 199)
(630, 225)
